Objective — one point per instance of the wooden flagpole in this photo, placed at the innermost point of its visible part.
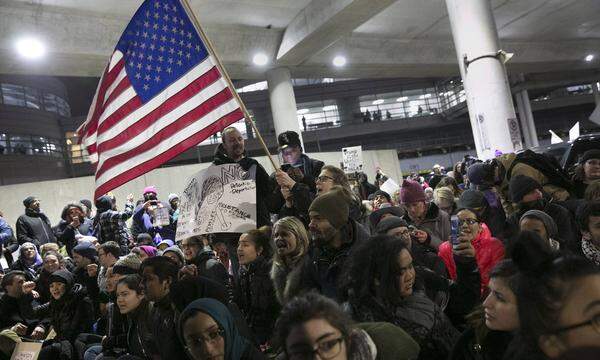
(225, 75)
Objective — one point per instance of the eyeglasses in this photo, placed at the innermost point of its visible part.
(594, 322)
(468, 221)
(212, 337)
(325, 349)
(324, 178)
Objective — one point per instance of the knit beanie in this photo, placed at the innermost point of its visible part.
(376, 215)
(590, 154)
(549, 223)
(173, 196)
(382, 193)
(520, 186)
(411, 192)
(150, 189)
(389, 223)
(62, 276)
(87, 250)
(480, 174)
(28, 201)
(333, 205)
(126, 265)
(472, 199)
(87, 203)
(177, 251)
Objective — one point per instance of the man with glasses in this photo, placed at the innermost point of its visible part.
(108, 254)
(294, 184)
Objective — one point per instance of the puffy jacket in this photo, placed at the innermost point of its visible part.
(34, 227)
(6, 232)
(488, 252)
(255, 296)
(436, 224)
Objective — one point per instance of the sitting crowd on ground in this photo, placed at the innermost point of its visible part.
(496, 259)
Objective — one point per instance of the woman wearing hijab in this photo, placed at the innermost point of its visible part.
(29, 261)
(208, 330)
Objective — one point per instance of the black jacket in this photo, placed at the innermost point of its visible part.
(34, 227)
(65, 234)
(321, 267)
(262, 183)
(14, 311)
(492, 347)
(140, 338)
(209, 266)
(255, 296)
(303, 191)
(164, 327)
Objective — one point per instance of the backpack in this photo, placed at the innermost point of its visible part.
(545, 164)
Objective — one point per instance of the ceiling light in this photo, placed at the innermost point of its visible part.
(303, 111)
(339, 61)
(329, 108)
(589, 58)
(378, 102)
(403, 98)
(426, 96)
(260, 59)
(30, 48)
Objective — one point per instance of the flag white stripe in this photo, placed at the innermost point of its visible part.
(170, 142)
(117, 56)
(117, 103)
(161, 123)
(157, 101)
(115, 83)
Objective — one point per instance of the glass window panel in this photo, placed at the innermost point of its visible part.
(13, 94)
(50, 102)
(20, 145)
(32, 98)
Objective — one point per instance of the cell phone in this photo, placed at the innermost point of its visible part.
(286, 167)
(454, 230)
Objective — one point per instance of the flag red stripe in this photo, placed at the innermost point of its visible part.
(132, 105)
(168, 131)
(124, 84)
(107, 80)
(169, 154)
(172, 103)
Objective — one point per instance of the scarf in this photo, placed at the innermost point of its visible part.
(590, 251)
(416, 309)
(362, 346)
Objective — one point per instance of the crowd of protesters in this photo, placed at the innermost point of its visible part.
(491, 260)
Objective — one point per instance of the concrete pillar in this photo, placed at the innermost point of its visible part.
(283, 101)
(530, 120)
(523, 119)
(486, 85)
(349, 110)
(596, 92)
(262, 121)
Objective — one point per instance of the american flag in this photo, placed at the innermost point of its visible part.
(160, 94)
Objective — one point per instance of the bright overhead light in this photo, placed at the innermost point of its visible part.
(589, 58)
(260, 59)
(303, 111)
(426, 96)
(329, 108)
(30, 48)
(339, 61)
(402, 98)
(378, 102)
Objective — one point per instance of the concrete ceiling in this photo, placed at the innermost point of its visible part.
(380, 38)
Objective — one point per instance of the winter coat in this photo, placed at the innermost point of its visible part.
(34, 227)
(14, 311)
(488, 252)
(140, 339)
(568, 235)
(6, 233)
(322, 266)
(30, 271)
(209, 266)
(164, 327)
(109, 225)
(391, 342)
(255, 296)
(262, 183)
(65, 233)
(142, 222)
(280, 278)
(303, 192)
(116, 332)
(492, 347)
(506, 161)
(42, 286)
(436, 224)
(70, 316)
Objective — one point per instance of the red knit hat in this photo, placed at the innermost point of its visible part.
(411, 192)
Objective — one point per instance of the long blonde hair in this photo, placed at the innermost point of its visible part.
(294, 226)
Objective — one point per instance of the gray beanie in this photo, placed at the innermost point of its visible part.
(549, 223)
(129, 264)
(177, 251)
(389, 223)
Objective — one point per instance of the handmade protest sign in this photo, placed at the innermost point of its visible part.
(220, 198)
(352, 159)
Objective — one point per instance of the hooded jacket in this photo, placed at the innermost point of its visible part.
(70, 315)
(29, 268)
(109, 225)
(488, 252)
(255, 296)
(210, 267)
(34, 227)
